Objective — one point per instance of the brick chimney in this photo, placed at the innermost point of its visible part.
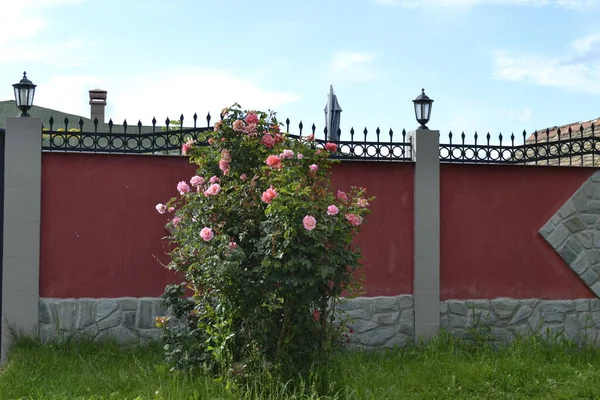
(98, 104)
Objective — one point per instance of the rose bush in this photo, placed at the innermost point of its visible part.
(265, 246)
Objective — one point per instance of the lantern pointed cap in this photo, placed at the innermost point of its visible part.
(423, 96)
(25, 80)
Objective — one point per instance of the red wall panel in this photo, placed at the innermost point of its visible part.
(490, 246)
(101, 236)
(386, 238)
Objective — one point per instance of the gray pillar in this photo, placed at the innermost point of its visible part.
(427, 232)
(21, 259)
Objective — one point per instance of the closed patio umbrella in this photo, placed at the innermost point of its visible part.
(332, 116)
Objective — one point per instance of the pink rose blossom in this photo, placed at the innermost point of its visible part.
(268, 141)
(342, 195)
(161, 208)
(274, 161)
(207, 234)
(332, 210)
(251, 118)
(214, 179)
(238, 125)
(243, 177)
(211, 141)
(310, 137)
(300, 156)
(287, 154)
(171, 209)
(313, 167)
(332, 147)
(309, 222)
(218, 125)
(176, 221)
(183, 187)
(279, 138)
(224, 166)
(225, 155)
(316, 314)
(212, 190)
(185, 148)
(232, 245)
(225, 111)
(276, 128)
(268, 195)
(354, 219)
(362, 203)
(196, 180)
(250, 129)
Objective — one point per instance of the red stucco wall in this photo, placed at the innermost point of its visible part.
(101, 236)
(490, 246)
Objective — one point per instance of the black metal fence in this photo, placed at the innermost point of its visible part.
(567, 146)
(168, 139)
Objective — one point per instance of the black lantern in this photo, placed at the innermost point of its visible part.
(423, 109)
(24, 91)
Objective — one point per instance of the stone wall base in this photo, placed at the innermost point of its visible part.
(506, 318)
(124, 319)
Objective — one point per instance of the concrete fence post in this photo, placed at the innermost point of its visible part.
(21, 252)
(426, 232)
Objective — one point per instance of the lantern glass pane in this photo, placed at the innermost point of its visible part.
(23, 95)
(30, 94)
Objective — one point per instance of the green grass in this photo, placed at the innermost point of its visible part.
(446, 368)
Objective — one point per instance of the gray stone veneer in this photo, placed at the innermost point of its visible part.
(125, 319)
(574, 232)
(577, 320)
(376, 321)
(380, 321)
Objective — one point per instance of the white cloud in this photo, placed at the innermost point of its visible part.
(353, 66)
(571, 4)
(577, 72)
(153, 95)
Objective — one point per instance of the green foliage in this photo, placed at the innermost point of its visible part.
(265, 246)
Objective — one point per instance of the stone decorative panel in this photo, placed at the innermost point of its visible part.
(576, 320)
(574, 232)
(125, 320)
(380, 322)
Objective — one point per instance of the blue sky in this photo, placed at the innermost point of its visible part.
(490, 65)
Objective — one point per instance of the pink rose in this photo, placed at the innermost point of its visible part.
(316, 314)
(218, 125)
(225, 155)
(185, 148)
(224, 166)
(332, 210)
(279, 138)
(225, 111)
(287, 154)
(214, 179)
(196, 180)
(176, 221)
(309, 222)
(243, 177)
(300, 156)
(171, 209)
(268, 195)
(310, 137)
(313, 167)
(232, 245)
(355, 220)
(250, 129)
(362, 203)
(212, 190)
(342, 195)
(211, 141)
(207, 234)
(183, 187)
(251, 118)
(161, 208)
(268, 141)
(332, 147)
(238, 125)
(274, 161)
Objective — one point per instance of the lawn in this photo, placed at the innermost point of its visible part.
(445, 368)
